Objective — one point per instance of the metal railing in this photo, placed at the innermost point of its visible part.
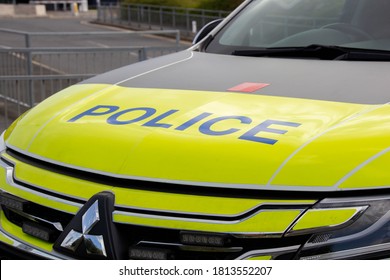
(29, 36)
(140, 16)
(30, 74)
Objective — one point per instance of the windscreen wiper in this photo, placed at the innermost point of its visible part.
(319, 52)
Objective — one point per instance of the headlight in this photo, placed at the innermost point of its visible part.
(363, 234)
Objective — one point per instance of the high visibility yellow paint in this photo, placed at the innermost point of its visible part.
(56, 182)
(34, 197)
(319, 218)
(332, 156)
(34, 120)
(2, 237)
(189, 155)
(260, 258)
(16, 231)
(267, 221)
(150, 200)
(375, 173)
(336, 146)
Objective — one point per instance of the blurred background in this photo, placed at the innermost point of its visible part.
(48, 45)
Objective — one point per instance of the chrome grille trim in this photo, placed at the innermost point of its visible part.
(11, 180)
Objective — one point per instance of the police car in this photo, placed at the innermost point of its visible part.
(268, 139)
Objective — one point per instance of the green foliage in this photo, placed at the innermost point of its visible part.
(225, 5)
(176, 3)
(219, 4)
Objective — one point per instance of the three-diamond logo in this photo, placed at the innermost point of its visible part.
(91, 233)
(93, 243)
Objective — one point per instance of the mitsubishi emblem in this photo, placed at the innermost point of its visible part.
(93, 243)
(91, 234)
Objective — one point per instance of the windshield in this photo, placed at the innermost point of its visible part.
(362, 24)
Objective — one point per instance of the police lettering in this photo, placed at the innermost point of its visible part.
(205, 122)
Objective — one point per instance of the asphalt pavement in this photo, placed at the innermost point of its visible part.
(65, 22)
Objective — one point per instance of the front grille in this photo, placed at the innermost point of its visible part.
(174, 188)
(39, 217)
(148, 238)
(138, 241)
